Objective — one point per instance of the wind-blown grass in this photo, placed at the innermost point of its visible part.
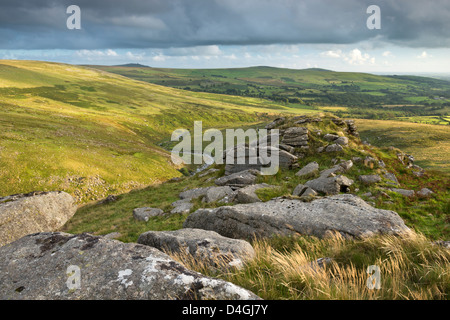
(410, 268)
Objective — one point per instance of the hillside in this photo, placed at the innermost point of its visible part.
(93, 133)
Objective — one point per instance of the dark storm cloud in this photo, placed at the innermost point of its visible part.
(41, 24)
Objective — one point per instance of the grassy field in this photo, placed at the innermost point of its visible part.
(93, 133)
(429, 144)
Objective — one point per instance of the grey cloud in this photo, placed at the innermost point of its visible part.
(41, 24)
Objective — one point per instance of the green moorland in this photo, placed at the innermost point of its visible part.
(93, 133)
(347, 94)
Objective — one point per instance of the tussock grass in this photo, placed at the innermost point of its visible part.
(411, 268)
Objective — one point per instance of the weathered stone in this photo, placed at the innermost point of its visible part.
(248, 194)
(309, 170)
(403, 192)
(369, 179)
(341, 167)
(143, 214)
(330, 137)
(36, 267)
(295, 136)
(238, 179)
(308, 193)
(346, 165)
(334, 148)
(343, 141)
(330, 185)
(392, 179)
(370, 162)
(275, 123)
(22, 214)
(424, 192)
(299, 189)
(181, 207)
(345, 213)
(112, 235)
(204, 245)
(193, 193)
(214, 194)
(316, 265)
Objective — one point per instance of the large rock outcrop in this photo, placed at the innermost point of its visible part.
(22, 214)
(345, 213)
(36, 266)
(204, 245)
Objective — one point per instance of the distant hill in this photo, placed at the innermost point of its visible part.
(363, 95)
(133, 65)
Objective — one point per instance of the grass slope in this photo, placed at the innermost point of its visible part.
(92, 133)
(429, 144)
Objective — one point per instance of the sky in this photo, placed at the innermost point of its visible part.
(413, 35)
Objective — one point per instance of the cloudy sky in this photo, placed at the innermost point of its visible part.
(331, 34)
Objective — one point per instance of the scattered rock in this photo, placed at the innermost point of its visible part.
(299, 189)
(206, 246)
(22, 214)
(369, 179)
(315, 266)
(403, 192)
(444, 244)
(346, 165)
(112, 235)
(343, 141)
(295, 136)
(143, 214)
(309, 170)
(392, 179)
(38, 265)
(345, 213)
(109, 199)
(330, 137)
(334, 148)
(330, 185)
(208, 172)
(351, 128)
(308, 193)
(248, 194)
(214, 194)
(181, 207)
(193, 193)
(238, 179)
(425, 193)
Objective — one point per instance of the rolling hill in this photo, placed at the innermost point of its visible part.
(361, 94)
(93, 133)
